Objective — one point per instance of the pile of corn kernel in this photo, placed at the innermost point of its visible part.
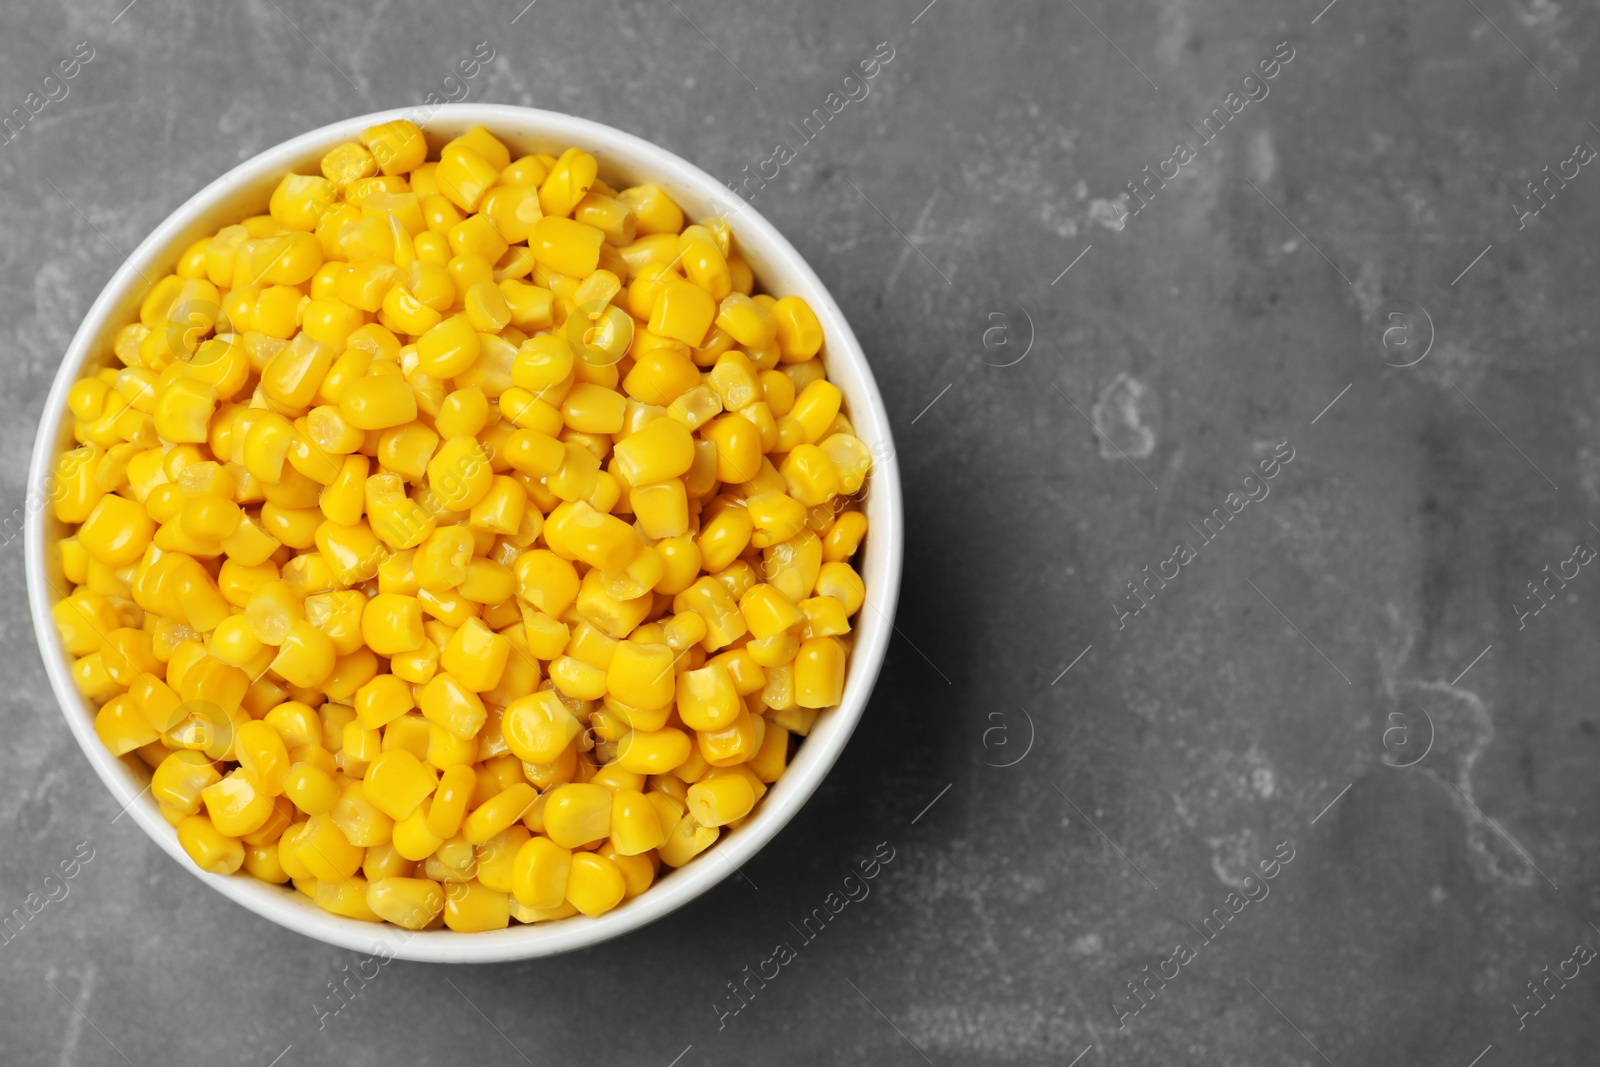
(460, 541)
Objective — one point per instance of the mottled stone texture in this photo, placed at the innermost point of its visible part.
(1219, 721)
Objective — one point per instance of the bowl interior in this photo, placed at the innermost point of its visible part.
(624, 160)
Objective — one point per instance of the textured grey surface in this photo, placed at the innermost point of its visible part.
(1220, 721)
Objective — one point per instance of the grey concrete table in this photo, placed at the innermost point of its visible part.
(1071, 788)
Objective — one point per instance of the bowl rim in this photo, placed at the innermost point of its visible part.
(882, 569)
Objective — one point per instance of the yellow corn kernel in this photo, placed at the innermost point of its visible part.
(567, 183)
(452, 707)
(542, 365)
(576, 679)
(844, 536)
(352, 551)
(635, 825)
(397, 783)
(768, 612)
(707, 698)
(600, 540)
(212, 851)
(183, 410)
(810, 475)
(117, 531)
(471, 907)
(815, 408)
(449, 804)
(531, 307)
(441, 561)
(720, 798)
(502, 509)
(839, 581)
(733, 379)
(593, 409)
(641, 675)
(772, 758)
(595, 884)
(512, 209)
(664, 449)
(261, 752)
(407, 313)
(391, 624)
(704, 263)
(497, 858)
(799, 332)
(464, 176)
(540, 873)
(565, 246)
(86, 619)
(577, 814)
(611, 216)
(683, 630)
(732, 744)
(378, 402)
(238, 804)
(738, 447)
(347, 162)
(819, 671)
(653, 751)
(655, 211)
(709, 599)
(411, 903)
(498, 813)
(777, 517)
(300, 200)
(747, 322)
(464, 413)
(180, 779)
(261, 861)
(325, 851)
(121, 727)
(382, 700)
(450, 347)
(723, 537)
(488, 582)
(305, 656)
(361, 821)
(467, 271)
(475, 656)
(396, 146)
(824, 616)
(686, 841)
(412, 838)
(477, 235)
(682, 311)
(850, 457)
(538, 728)
(460, 473)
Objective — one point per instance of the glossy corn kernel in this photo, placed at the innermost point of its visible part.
(212, 851)
(397, 783)
(595, 884)
(498, 812)
(577, 814)
(238, 804)
(686, 840)
(720, 798)
(540, 872)
(410, 903)
(397, 146)
(635, 824)
(799, 334)
(475, 656)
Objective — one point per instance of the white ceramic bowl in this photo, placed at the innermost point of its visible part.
(624, 159)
